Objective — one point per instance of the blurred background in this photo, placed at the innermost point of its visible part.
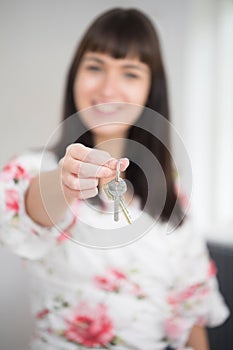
(38, 39)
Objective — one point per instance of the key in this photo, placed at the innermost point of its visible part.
(116, 190)
(125, 210)
(122, 202)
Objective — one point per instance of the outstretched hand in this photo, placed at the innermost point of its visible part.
(82, 168)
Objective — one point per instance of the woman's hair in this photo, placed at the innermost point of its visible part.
(129, 33)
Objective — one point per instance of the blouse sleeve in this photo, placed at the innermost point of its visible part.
(17, 230)
(193, 297)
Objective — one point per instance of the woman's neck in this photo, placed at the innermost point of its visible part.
(114, 146)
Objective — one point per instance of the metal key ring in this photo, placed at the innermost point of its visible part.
(118, 170)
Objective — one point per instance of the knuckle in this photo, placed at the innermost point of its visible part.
(61, 162)
(75, 149)
(69, 182)
(80, 149)
(72, 184)
(69, 148)
(106, 154)
(80, 146)
(64, 163)
(83, 194)
(78, 166)
(80, 195)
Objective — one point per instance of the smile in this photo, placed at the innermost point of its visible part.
(107, 108)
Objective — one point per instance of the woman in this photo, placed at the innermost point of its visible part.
(156, 293)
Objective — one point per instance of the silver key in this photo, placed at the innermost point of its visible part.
(116, 193)
(122, 202)
(116, 189)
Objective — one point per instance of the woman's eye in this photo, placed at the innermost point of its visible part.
(131, 75)
(93, 68)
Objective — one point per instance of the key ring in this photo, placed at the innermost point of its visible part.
(118, 170)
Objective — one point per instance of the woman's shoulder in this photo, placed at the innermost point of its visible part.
(33, 158)
(27, 164)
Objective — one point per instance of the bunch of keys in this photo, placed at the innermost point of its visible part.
(115, 190)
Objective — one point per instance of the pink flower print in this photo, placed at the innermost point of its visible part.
(118, 274)
(174, 327)
(194, 291)
(13, 171)
(199, 289)
(137, 290)
(111, 281)
(106, 283)
(189, 292)
(90, 327)
(64, 235)
(115, 280)
(12, 201)
(42, 314)
(212, 270)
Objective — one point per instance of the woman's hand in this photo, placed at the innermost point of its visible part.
(82, 168)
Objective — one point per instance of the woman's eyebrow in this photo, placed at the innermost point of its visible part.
(95, 59)
(134, 66)
(126, 65)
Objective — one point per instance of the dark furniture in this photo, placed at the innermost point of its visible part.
(221, 338)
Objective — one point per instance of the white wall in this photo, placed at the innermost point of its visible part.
(207, 114)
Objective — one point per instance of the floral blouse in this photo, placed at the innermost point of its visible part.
(146, 295)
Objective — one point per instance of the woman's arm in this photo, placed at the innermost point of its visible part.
(198, 339)
(45, 202)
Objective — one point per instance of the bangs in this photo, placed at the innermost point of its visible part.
(121, 35)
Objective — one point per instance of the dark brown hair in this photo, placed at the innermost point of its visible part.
(122, 33)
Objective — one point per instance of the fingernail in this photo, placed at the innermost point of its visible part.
(122, 165)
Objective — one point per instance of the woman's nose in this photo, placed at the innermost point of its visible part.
(109, 86)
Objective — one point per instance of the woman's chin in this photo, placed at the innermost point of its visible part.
(109, 131)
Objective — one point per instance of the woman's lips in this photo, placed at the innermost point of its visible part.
(107, 109)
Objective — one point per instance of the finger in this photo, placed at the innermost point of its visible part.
(88, 170)
(84, 170)
(85, 194)
(112, 164)
(77, 184)
(124, 163)
(88, 193)
(88, 155)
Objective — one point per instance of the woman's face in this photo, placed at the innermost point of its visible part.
(109, 85)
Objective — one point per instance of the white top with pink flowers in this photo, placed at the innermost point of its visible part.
(144, 295)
